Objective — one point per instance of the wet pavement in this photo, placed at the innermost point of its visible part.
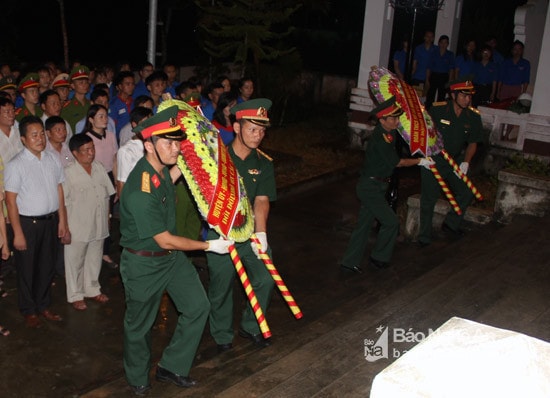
(308, 232)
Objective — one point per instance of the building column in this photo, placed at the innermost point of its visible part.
(448, 23)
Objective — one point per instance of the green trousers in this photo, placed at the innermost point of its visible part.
(374, 206)
(220, 290)
(431, 192)
(145, 280)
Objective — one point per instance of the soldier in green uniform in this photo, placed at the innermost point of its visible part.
(258, 175)
(380, 160)
(28, 88)
(7, 84)
(153, 262)
(78, 106)
(461, 127)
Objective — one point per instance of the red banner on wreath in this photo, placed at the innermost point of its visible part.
(419, 128)
(225, 200)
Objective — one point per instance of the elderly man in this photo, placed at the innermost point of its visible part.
(87, 188)
(36, 209)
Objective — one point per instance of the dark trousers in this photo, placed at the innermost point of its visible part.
(36, 264)
(437, 83)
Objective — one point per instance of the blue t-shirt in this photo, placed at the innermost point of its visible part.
(401, 57)
(464, 65)
(442, 63)
(140, 89)
(515, 74)
(485, 74)
(422, 58)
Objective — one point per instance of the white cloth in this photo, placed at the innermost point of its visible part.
(125, 134)
(35, 181)
(127, 157)
(65, 156)
(82, 268)
(87, 202)
(468, 359)
(10, 146)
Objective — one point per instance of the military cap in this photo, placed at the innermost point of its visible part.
(30, 80)
(164, 124)
(387, 108)
(253, 110)
(463, 85)
(79, 72)
(61, 80)
(7, 82)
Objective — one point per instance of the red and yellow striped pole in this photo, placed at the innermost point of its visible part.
(462, 176)
(446, 190)
(249, 292)
(278, 280)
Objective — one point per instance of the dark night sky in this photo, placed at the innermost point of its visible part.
(112, 31)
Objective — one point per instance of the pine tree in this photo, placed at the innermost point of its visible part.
(248, 31)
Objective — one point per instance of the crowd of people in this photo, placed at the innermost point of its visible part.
(495, 77)
(77, 147)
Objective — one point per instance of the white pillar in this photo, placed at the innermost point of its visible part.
(377, 30)
(448, 23)
(541, 93)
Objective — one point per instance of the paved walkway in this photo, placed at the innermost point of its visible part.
(496, 275)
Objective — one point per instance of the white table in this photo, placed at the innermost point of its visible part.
(468, 359)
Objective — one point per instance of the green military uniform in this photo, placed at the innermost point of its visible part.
(27, 82)
(457, 131)
(259, 180)
(147, 208)
(380, 160)
(20, 113)
(188, 219)
(74, 111)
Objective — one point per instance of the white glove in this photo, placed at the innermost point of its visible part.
(220, 246)
(464, 166)
(262, 237)
(426, 162)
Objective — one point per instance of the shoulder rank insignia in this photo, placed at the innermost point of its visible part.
(439, 103)
(445, 122)
(156, 181)
(388, 138)
(475, 110)
(265, 155)
(145, 184)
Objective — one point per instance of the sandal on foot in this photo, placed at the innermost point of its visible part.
(100, 298)
(79, 305)
(4, 332)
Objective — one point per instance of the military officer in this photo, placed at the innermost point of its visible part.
(28, 88)
(380, 160)
(461, 127)
(7, 84)
(258, 175)
(153, 261)
(78, 106)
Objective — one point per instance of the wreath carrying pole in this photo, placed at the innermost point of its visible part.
(277, 278)
(243, 276)
(446, 190)
(461, 175)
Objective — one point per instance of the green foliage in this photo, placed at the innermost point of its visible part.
(246, 31)
(530, 165)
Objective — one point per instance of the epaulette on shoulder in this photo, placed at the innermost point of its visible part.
(145, 182)
(66, 104)
(439, 103)
(18, 111)
(475, 110)
(265, 155)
